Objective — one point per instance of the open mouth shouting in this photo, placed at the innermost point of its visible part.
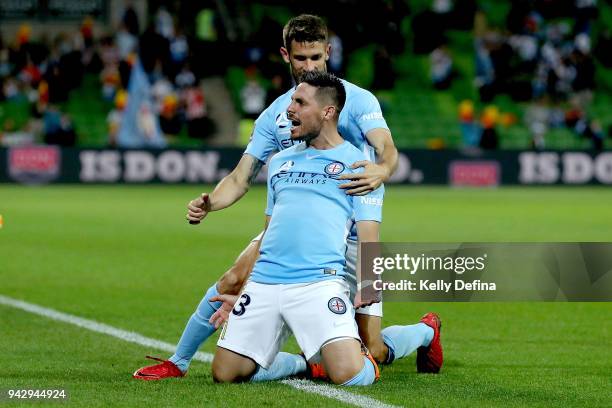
(295, 125)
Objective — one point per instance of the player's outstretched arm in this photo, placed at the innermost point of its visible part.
(374, 174)
(229, 190)
(367, 231)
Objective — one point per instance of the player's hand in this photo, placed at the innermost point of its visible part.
(222, 314)
(198, 208)
(371, 296)
(363, 183)
(358, 302)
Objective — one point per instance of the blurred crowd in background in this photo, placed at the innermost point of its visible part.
(46, 70)
(542, 56)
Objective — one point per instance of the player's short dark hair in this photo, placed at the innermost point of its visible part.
(329, 87)
(304, 28)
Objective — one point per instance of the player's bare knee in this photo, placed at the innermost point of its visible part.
(221, 374)
(343, 373)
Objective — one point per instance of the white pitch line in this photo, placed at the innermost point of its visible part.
(92, 325)
(337, 394)
(132, 337)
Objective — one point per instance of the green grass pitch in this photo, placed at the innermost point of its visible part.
(125, 256)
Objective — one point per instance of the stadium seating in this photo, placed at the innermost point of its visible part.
(418, 115)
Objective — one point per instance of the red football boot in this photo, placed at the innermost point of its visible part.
(316, 371)
(429, 359)
(167, 369)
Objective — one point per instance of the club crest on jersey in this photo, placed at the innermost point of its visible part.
(337, 305)
(286, 166)
(334, 168)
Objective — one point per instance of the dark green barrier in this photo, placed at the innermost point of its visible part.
(48, 164)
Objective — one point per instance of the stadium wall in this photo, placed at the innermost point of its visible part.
(50, 164)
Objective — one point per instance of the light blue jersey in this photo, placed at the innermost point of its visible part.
(360, 114)
(311, 217)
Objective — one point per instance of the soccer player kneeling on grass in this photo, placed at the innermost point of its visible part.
(306, 49)
(297, 283)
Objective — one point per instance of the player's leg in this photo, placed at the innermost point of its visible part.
(369, 318)
(395, 342)
(255, 331)
(370, 332)
(323, 323)
(284, 365)
(424, 337)
(198, 328)
(345, 363)
(228, 366)
(232, 367)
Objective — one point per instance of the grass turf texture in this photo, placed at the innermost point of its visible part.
(125, 256)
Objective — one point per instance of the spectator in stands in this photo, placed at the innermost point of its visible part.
(441, 70)
(485, 72)
(489, 139)
(111, 81)
(335, 64)
(10, 89)
(58, 128)
(154, 52)
(185, 78)
(586, 11)
(5, 65)
(30, 75)
(277, 88)
(179, 51)
(169, 120)
(113, 120)
(537, 120)
(469, 130)
(164, 23)
(126, 42)
(253, 98)
(584, 79)
(428, 26)
(384, 75)
(11, 136)
(595, 132)
(161, 88)
(198, 124)
(525, 46)
(130, 19)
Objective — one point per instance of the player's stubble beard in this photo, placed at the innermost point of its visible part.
(297, 75)
(309, 135)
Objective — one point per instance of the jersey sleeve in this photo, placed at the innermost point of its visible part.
(270, 201)
(367, 113)
(369, 206)
(263, 141)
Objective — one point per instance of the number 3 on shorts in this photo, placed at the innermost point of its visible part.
(241, 305)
